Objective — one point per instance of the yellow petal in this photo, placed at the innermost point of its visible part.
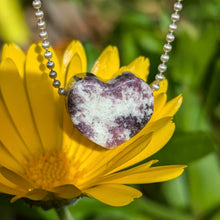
(159, 102)
(109, 160)
(155, 125)
(114, 194)
(159, 140)
(140, 168)
(8, 161)
(16, 101)
(115, 174)
(107, 64)
(75, 144)
(74, 61)
(67, 191)
(13, 52)
(10, 184)
(136, 169)
(128, 153)
(150, 175)
(8, 190)
(171, 107)
(46, 111)
(69, 141)
(15, 178)
(10, 138)
(36, 195)
(86, 153)
(87, 150)
(94, 150)
(163, 87)
(140, 67)
(97, 162)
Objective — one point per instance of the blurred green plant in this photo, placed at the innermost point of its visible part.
(13, 27)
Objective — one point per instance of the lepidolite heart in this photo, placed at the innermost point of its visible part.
(110, 113)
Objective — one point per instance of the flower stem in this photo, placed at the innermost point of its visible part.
(64, 213)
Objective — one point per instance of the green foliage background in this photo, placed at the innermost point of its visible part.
(139, 27)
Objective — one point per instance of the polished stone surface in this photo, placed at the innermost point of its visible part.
(110, 113)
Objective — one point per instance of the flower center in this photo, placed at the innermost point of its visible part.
(53, 169)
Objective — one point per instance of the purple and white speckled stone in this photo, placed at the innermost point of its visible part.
(110, 113)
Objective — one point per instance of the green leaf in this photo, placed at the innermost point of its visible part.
(158, 211)
(193, 56)
(204, 182)
(141, 209)
(192, 116)
(24, 211)
(213, 95)
(148, 42)
(136, 19)
(176, 192)
(92, 54)
(184, 148)
(217, 111)
(88, 208)
(129, 48)
(216, 216)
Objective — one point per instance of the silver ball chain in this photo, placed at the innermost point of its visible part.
(48, 54)
(41, 24)
(167, 47)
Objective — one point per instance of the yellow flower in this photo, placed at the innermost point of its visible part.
(44, 158)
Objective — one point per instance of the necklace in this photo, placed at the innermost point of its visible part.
(108, 112)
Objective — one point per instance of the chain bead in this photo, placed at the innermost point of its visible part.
(175, 17)
(36, 4)
(164, 57)
(155, 86)
(168, 47)
(178, 6)
(46, 44)
(39, 14)
(170, 37)
(159, 77)
(43, 34)
(56, 83)
(162, 68)
(48, 54)
(50, 64)
(41, 24)
(172, 27)
(61, 91)
(52, 74)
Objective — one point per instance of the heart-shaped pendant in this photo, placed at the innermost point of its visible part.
(110, 113)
